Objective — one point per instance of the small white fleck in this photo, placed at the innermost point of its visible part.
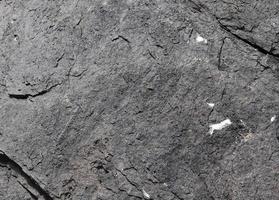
(145, 194)
(273, 118)
(219, 126)
(201, 39)
(165, 184)
(211, 105)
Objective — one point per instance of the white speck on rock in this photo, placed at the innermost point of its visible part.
(211, 105)
(145, 194)
(273, 118)
(219, 126)
(201, 39)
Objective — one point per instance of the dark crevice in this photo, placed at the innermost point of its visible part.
(19, 96)
(8, 162)
(209, 114)
(176, 195)
(128, 180)
(190, 34)
(196, 6)
(220, 54)
(225, 28)
(254, 45)
(151, 55)
(121, 37)
(58, 60)
(29, 192)
(26, 96)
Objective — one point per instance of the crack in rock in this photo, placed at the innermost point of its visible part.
(26, 96)
(6, 161)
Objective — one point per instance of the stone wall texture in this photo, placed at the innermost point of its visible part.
(139, 99)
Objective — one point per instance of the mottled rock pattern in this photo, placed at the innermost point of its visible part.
(114, 99)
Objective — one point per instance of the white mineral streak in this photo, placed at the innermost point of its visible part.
(211, 105)
(273, 118)
(145, 194)
(219, 126)
(201, 39)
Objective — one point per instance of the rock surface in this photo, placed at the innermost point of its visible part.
(114, 100)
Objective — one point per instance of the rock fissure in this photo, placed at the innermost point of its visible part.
(8, 162)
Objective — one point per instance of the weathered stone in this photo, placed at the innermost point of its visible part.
(120, 99)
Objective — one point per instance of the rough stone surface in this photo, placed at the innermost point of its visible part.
(114, 99)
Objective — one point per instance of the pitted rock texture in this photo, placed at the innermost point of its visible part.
(116, 100)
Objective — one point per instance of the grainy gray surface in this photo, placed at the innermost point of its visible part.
(114, 100)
